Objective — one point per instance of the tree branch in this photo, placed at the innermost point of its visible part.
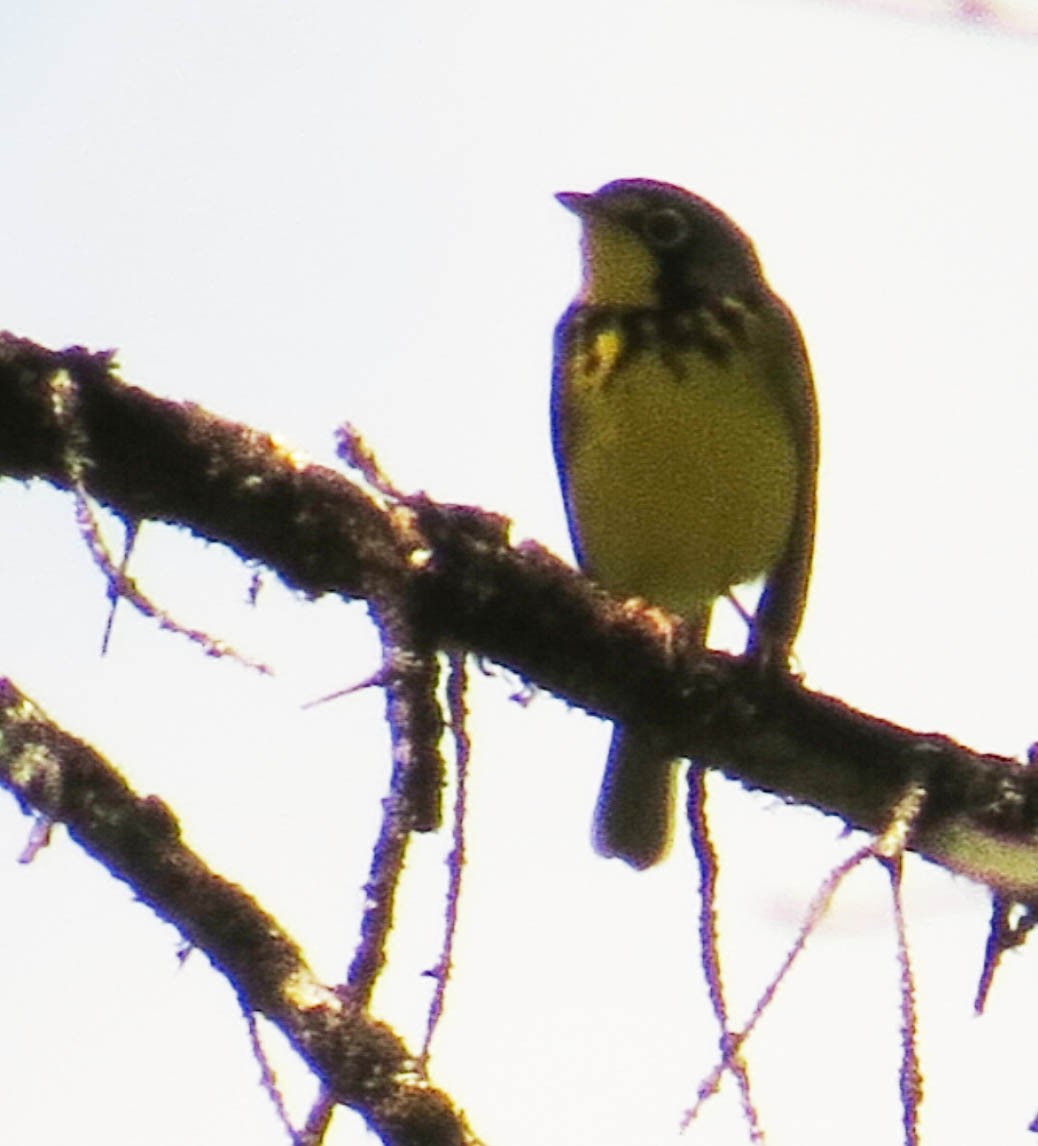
(359, 1060)
(465, 587)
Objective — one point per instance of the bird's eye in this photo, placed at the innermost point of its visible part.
(665, 228)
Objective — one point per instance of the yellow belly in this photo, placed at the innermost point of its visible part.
(682, 483)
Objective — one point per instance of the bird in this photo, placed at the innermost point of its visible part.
(685, 434)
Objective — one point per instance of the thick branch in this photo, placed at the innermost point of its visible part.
(361, 1061)
(467, 588)
(174, 462)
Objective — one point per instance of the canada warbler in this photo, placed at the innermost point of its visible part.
(685, 434)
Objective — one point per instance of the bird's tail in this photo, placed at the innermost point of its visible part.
(635, 809)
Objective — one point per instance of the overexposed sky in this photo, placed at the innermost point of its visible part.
(297, 214)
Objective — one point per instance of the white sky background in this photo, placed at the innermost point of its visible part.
(297, 214)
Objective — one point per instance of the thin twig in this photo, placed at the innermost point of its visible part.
(457, 682)
(817, 909)
(64, 396)
(890, 850)
(409, 678)
(910, 1076)
(132, 531)
(706, 861)
(268, 1080)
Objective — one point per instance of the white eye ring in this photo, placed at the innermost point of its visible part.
(664, 228)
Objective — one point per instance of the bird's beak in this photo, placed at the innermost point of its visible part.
(576, 201)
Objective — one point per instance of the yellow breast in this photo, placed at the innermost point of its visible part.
(682, 470)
